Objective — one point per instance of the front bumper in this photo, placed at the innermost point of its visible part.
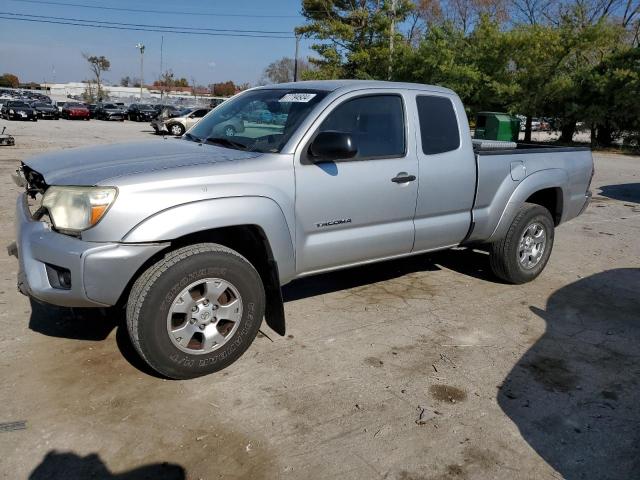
(22, 116)
(159, 127)
(99, 272)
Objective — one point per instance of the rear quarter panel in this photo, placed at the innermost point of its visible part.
(500, 195)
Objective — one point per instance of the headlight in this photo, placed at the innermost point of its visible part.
(74, 209)
(11, 111)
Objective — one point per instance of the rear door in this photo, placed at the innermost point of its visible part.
(447, 178)
(352, 211)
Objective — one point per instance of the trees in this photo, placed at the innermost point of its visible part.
(223, 89)
(282, 70)
(9, 80)
(564, 59)
(97, 65)
(353, 36)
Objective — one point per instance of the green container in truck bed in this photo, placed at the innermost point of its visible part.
(497, 126)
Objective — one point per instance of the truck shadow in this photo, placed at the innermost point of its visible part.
(626, 192)
(87, 324)
(574, 393)
(59, 465)
(466, 261)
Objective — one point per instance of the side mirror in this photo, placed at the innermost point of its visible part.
(332, 145)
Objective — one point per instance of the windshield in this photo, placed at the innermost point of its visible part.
(41, 105)
(71, 104)
(258, 120)
(18, 104)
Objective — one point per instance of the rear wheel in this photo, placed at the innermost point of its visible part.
(524, 251)
(196, 311)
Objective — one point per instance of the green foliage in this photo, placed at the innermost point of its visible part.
(354, 36)
(582, 66)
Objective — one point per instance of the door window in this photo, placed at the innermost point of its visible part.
(375, 122)
(438, 124)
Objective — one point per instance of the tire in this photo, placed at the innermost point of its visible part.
(510, 260)
(176, 129)
(156, 293)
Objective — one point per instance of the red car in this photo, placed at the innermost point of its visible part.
(75, 110)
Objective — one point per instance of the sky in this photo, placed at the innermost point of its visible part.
(42, 52)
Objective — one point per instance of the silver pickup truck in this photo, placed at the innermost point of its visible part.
(195, 236)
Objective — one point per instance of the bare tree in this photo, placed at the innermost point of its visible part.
(281, 71)
(97, 65)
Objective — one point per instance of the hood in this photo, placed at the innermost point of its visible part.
(95, 165)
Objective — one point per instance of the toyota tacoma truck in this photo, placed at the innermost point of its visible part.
(195, 236)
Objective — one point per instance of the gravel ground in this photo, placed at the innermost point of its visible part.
(425, 368)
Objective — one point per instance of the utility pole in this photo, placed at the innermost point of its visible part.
(295, 62)
(392, 33)
(141, 47)
(161, 89)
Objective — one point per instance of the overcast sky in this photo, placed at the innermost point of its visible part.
(51, 52)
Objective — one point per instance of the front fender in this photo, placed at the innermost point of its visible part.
(198, 216)
(550, 178)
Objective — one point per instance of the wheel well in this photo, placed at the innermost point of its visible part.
(249, 241)
(551, 199)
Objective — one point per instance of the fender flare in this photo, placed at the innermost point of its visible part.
(540, 180)
(201, 215)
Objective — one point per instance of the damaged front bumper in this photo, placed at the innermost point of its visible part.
(69, 272)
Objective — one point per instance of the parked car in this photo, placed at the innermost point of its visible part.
(92, 110)
(159, 123)
(178, 125)
(197, 235)
(71, 110)
(45, 110)
(141, 112)
(18, 110)
(109, 111)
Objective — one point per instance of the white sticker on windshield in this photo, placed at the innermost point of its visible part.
(297, 97)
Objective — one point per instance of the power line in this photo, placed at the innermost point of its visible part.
(111, 27)
(170, 12)
(47, 17)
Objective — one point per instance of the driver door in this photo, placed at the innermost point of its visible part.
(360, 209)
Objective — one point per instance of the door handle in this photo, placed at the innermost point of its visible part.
(403, 177)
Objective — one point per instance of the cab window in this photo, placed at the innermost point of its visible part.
(375, 122)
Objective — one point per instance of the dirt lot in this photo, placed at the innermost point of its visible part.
(426, 368)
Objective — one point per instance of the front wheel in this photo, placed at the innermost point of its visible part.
(196, 311)
(176, 129)
(524, 251)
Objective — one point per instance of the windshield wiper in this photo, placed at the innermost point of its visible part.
(226, 142)
(192, 137)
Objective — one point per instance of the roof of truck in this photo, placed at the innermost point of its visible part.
(331, 85)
